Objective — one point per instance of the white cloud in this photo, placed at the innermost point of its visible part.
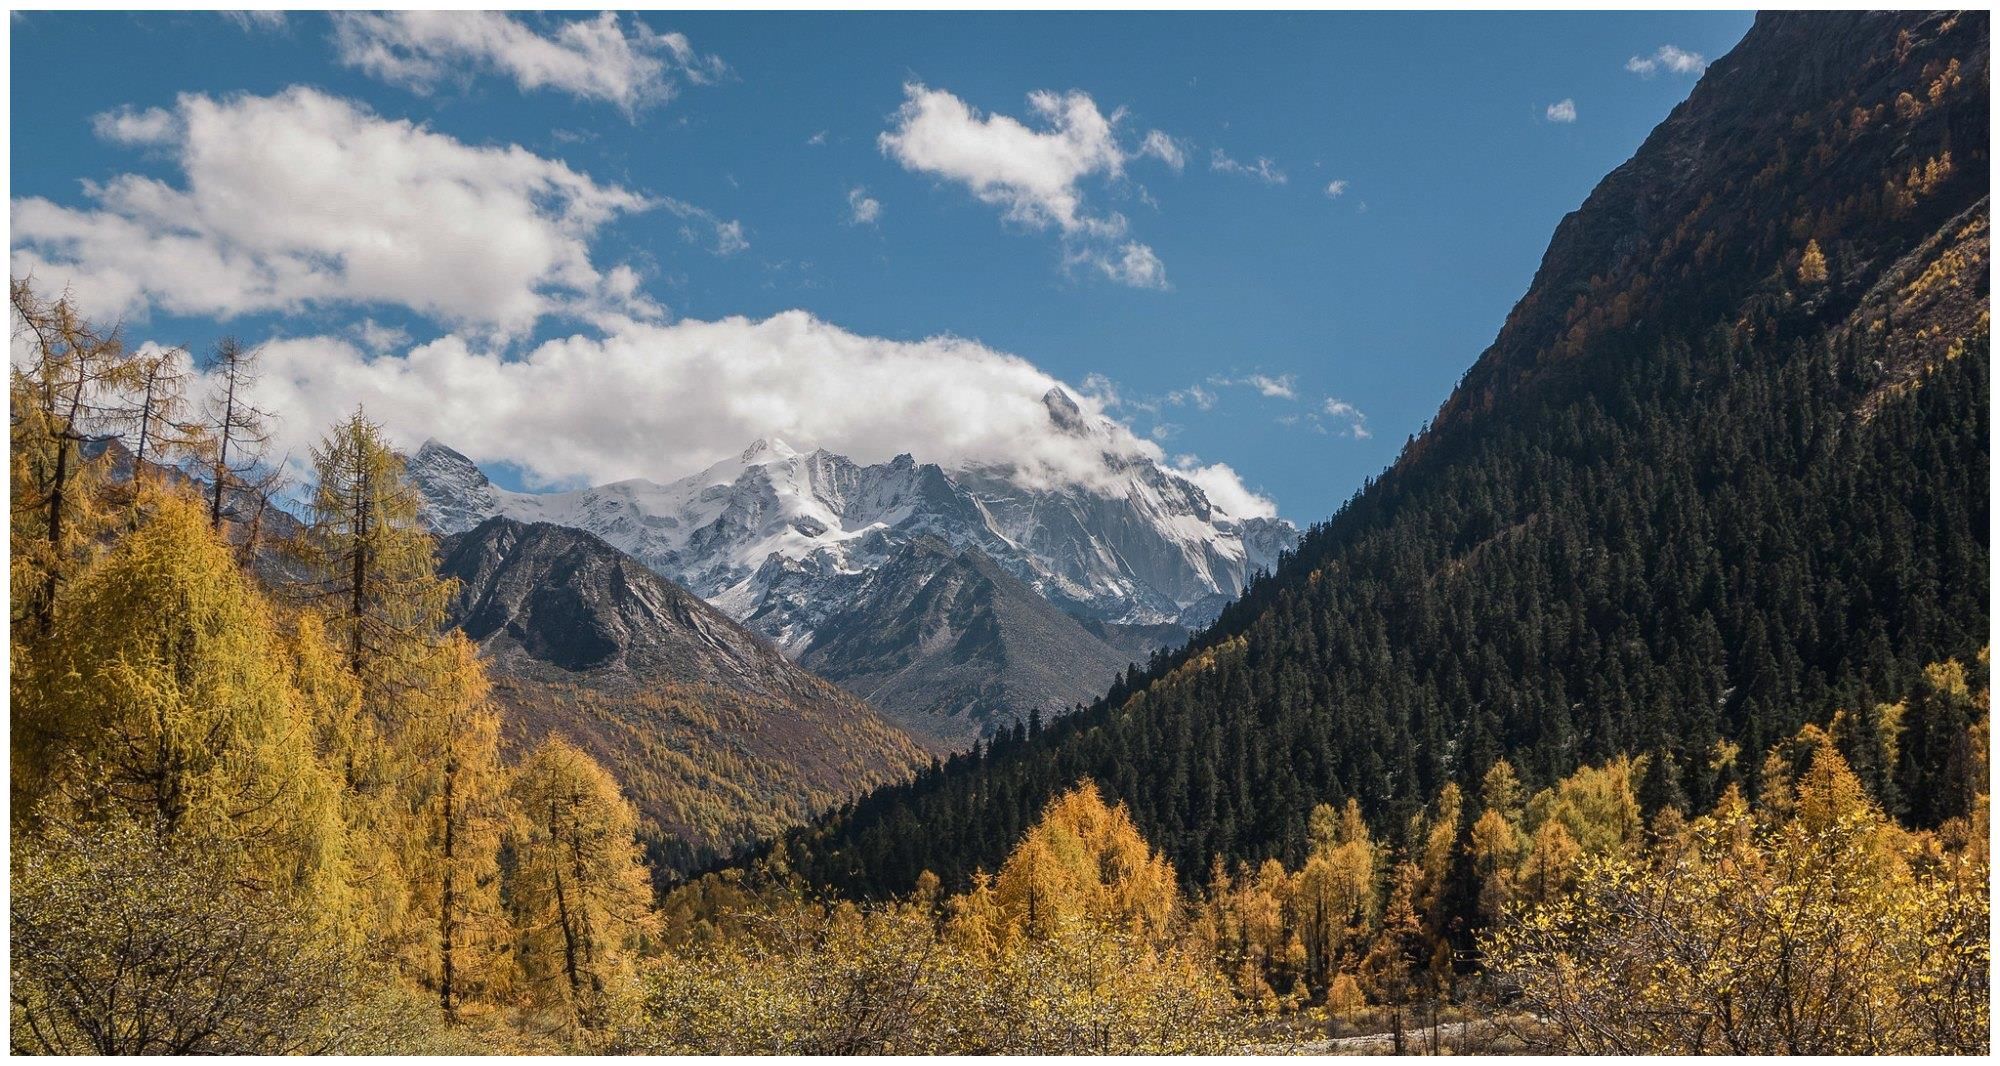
(303, 199)
(1279, 387)
(376, 337)
(1032, 175)
(1225, 488)
(1562, 111)
(267, 20)
(817, 140)
(1165, 149)
(863, 209)
(705, 228)
(1131, 264)
(591, 59)
(663, 400)
(1194, 395)
(1335, 188)
(124, 125)
(1668, 58)
(1263, 170)
(1351, 421)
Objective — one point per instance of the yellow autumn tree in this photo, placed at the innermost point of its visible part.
(163, 697)
(580, 899)
(1337, 893)
(1812, 934)
(1812, 265)
(456, 931)
(1085, 859)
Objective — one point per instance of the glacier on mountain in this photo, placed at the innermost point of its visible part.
(776, 537)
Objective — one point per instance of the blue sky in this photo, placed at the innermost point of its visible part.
(1218, 311)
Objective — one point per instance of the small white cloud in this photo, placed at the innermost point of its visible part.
(1349, 418)
(862, 209)
(1668, 58)
(267, 20)
(724, 237)
(378, 338)
(1165, 149)
(591, 59)
(1263, 170)
(1224, 488)
(817, 140)
(1131, 264)
(124, 125)
(1034, 176)
(1335, 188)
(1193, 396)
(1562, 111)
(1279, 387)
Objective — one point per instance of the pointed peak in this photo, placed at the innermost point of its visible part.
(765, 449)
(1063, 410)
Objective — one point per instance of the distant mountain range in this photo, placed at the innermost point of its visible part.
(828, 557)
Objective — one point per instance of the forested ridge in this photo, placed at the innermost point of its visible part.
(1643, 705)
(1738, 483)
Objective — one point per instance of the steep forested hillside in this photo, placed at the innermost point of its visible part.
(1723, 471)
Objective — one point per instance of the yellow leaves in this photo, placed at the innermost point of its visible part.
(1086, 860)
(1812, 265)
(1811, 935)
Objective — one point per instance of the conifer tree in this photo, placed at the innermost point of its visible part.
(579, 894)
(374, 572)
(164, 698)
(64, 387)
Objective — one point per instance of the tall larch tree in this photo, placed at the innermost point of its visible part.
(579, 893)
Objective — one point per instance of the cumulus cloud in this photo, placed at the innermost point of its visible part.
(1336, 188)
(1165, 149)
(661, 401)
(1263, 170)
(1562, 111)
(305, 199)
(1348, 419)
(1033, 175)
(1667, 58)
(863, 209)
(592, 59)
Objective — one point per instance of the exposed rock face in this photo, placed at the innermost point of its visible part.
(952, 646)
(793, 543)
(715, 734)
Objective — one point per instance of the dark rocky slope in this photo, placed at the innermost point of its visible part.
(714, 734)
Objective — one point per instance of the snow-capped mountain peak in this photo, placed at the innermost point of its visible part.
(765, 533)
